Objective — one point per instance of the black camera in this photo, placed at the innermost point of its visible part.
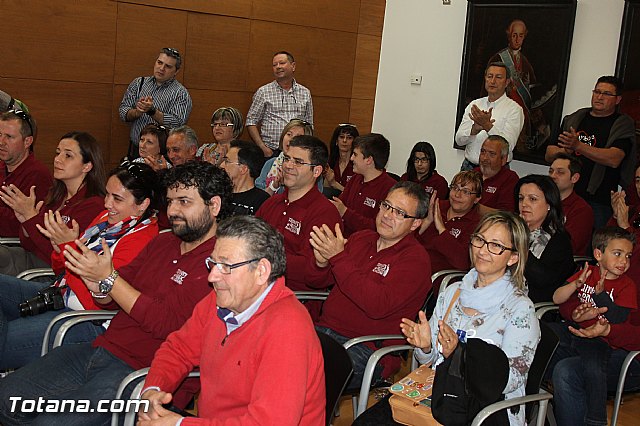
(48, 299)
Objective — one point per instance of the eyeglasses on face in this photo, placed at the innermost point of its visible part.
(225, 159)
(398, 213)
(419, 160)
(494, 248)
(24, 116)
(225, 268)
(600, 92)
(214, 125)
(466, 192)
(296, 161)
(171, 52)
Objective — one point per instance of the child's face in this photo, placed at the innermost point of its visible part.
(616, 257)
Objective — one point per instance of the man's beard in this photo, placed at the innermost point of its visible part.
(192, 230)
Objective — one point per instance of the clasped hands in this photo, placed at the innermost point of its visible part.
(326, 244)
(419, 334)
(89, 265)
(481, 119)
(144, 104)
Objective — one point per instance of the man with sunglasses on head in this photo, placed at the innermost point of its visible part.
(301, 207)
(19, 168)
(379, 276)
(155, 294)
(276, 103)
(604, 140)
(159, 98)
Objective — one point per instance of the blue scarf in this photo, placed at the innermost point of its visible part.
(486, 299)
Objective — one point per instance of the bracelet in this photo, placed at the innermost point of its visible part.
(98, 295)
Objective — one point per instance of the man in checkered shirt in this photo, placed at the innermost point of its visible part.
(275, 103)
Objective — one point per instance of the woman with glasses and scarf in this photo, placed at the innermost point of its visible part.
(76, 196)
(550, 260)
(421, 169)
(226, 125)
(125, 227)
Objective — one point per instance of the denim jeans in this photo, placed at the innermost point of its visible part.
(579, 373)
(359, 355)
(21, 337)
(467, 165)
(78, 372)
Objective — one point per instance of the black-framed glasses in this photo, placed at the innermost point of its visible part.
(24, 116)
(600, 92)
(225, 268)
(398, 213)
(296, 162)
(225, 159)
(171, 52)
(419, 160)
(466, 192)
(214, 125)
(494, 248)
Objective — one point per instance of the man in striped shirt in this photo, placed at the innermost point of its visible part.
(276, 103)
(157, 99)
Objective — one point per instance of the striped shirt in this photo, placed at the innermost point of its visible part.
(171, 97)
(273, 107)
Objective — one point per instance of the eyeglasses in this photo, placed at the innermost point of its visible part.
(398, 213)
(296, 162)
(226, 268)
(600, 92)
(494, 248)
(300, 121)
(347, 124)
(465, 191)
(171, 52)
(214, 125)
(133, 169)
(418, 160)
(636, 223)
(226, 160)
(23, 116)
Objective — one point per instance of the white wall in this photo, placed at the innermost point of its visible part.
(426, 37)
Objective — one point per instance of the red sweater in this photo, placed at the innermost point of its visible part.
(434, 183)
(450, 250)
(171, 284)
(295, 220)
(375, 289)
(30, 173)
(362, 200)
(123, 252)
(578, 223)
(82, 209)
(270, 371)
(497, 191)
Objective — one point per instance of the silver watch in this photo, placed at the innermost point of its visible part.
(106, 285)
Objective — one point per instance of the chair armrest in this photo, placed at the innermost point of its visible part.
(543, 310)
(371, 338)
(70, 319)
(543, 397)
(438, 274)
(623, 375)
(10, 241)
(30, 274)
(311, 295)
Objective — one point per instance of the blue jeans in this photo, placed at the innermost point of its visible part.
(579, 373)
(359, 355)
(21, 337)
(601, 214)
(467, 165)
(77, 372)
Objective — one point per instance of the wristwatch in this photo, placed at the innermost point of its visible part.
(151, 110)
(106, 285)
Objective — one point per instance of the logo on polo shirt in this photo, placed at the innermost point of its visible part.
(381, 269)
(455, 232)
(370, 202)
(293, 226)
(428, 189)
(491, 189)
(66, 219)
(179, 276)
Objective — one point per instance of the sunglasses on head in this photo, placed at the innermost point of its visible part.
(23, 116)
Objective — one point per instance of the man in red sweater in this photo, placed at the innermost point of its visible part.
(260, 331)
(155, 294)
(498, 181)
(359, 202)
(380, 276)
(578, 214)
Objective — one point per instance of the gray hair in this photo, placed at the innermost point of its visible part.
(190, 136)
(504, 144)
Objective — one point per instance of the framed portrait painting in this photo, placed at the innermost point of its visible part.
(628, 64)
(533, 39)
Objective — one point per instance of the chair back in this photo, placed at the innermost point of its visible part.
(337, 371)
(544, 352)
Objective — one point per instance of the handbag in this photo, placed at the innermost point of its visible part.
(411, 399)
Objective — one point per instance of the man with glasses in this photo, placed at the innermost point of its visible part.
(301, 207)
(155, 294)
(159, 98)
(379, 276)
(498, 181)
(276, 103)
(249, 312)
(604, 140)
(19, 167)
(243, 163)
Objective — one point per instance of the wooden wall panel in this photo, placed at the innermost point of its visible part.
(240, 8)
(329, 14)
(68, 41)
(220, 47)
(371, 17)
(361, 114)
(207, 101)
(324, 58)
(365, 70)
(138, 40)
(328, 112)
(119, 129)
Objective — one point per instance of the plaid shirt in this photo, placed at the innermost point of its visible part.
(273, 107)
(171, 97)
